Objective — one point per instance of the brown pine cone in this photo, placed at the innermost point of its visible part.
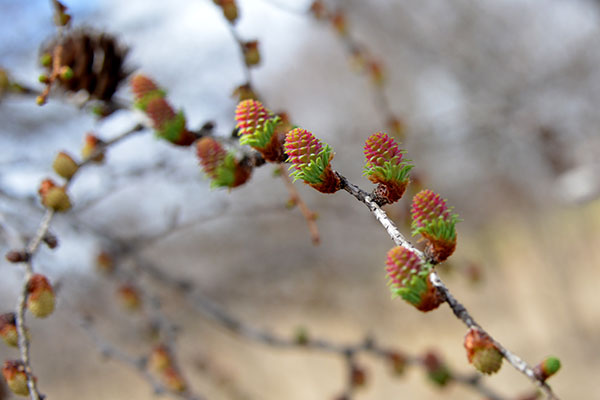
(96, 59)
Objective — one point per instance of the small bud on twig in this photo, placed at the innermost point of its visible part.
(40, 296)
(482, 352)
(16, 378)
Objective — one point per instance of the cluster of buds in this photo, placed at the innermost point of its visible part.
(257, 127)
(311, 161)
(434, 220)
(220, 165)
(386, 168)
(230, 10)
(482, 352)
(168, 124)
(92, 148)
(54, 197)
(16, 377)
(408, 278)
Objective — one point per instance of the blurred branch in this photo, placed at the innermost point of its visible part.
(30, 251)
(140, 364)
(295, 199)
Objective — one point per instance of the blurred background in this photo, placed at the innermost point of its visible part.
(497, 100)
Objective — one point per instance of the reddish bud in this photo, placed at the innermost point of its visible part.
(434, 220)
(51, 240)
(310, 160)
(358, 376)
(40, 296)
(17, 256)
(409, 278)
(211, 155)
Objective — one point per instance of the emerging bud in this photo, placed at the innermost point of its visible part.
(129, 297)
(396, 127)
(40, 296)
(338, 20)
(257, 127)
(433, 219)
(160, 359)
(386, 167)
(92, 148)
(397, 361)
(64, 165)
(437, 371)
(375, 70)
(358, 376)
(245, 92)
(318, 10)
(16, 378)
(301, 336)
(251, 53)
(482, 352)
(8, 329)
(54, 197)
(547, 368)
(105, 263)
(51, 240)
(409, 278)
(66, 73)
(310, 161)
(230, 10)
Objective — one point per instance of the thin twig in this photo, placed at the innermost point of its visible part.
(309, 215)
(31, 249)
(457, 308)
